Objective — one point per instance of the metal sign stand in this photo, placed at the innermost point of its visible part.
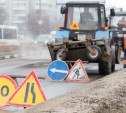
(14, 77)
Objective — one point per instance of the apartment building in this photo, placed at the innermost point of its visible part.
(3, 3)
(18, 9)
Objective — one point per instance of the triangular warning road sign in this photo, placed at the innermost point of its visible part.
(29, 93)
(77, 73)
(74, 26)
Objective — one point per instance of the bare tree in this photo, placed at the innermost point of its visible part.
(3, 15)
(59, 22)
(37, 24)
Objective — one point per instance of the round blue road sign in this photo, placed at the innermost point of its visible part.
(58, 70)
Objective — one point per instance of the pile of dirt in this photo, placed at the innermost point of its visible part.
(5, 111)
(106, 95)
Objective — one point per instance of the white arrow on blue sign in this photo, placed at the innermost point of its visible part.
(58, 70)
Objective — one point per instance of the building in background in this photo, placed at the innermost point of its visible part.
(3, 3)
(18, 9)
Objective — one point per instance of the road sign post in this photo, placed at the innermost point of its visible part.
(58, 70)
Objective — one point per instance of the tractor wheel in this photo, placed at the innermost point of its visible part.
(117, 54)
(105, 67)
(61, 55)
(96, 56)
(113, 58)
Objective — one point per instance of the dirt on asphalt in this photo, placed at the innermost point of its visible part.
(105, 95)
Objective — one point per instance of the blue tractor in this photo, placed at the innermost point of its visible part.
(117, 24)
(85, 36)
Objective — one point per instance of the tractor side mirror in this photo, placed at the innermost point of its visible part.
(106, 20)
(63, 10)
(112, 12)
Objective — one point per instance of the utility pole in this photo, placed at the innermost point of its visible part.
(40, 5)
(40, 16)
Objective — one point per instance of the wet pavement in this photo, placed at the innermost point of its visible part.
(51, 89)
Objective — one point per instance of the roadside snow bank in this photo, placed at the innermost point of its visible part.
(105, 95)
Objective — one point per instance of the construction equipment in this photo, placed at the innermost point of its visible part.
(85, 36)
(117, 25)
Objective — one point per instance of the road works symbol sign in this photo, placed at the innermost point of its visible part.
(77, 73)
(57, 70)
(74, 26)
(29, 93)
(7, 88)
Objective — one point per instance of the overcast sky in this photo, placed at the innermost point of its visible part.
(117, 3)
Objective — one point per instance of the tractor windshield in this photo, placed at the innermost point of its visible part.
(82, 18)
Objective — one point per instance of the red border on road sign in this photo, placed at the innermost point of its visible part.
(86, 76)
(12, 81)
(39, 86)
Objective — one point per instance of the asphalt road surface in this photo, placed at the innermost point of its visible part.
(51, 89)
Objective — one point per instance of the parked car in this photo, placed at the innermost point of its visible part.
(42, 40)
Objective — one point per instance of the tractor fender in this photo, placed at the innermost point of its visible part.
(108, 49)
(60, 34)
(102, 33)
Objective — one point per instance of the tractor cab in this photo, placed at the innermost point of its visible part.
(82, 18)
(117, 25)
(118, 21)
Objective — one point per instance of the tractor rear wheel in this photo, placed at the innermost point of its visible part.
(113, 58)
(105, 67)
(117, 54)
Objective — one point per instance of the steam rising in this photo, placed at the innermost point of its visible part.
(26, 48)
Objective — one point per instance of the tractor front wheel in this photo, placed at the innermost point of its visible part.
(105, 67)
(97, 53)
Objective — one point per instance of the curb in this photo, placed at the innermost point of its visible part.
(16, 55)
(12, 56)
